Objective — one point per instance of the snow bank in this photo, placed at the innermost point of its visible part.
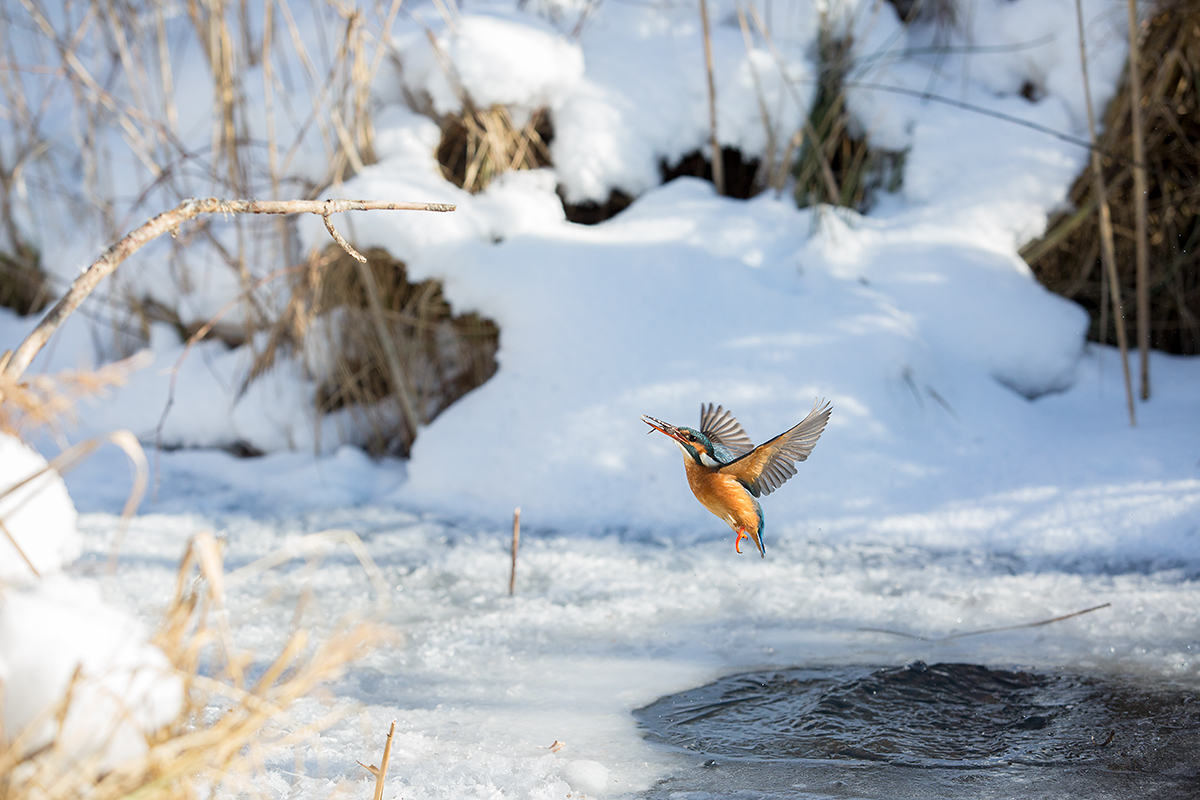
(59, 639)
(757, 305)
(38, 515)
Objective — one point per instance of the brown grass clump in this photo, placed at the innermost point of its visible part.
(23, 285)
(1066, 259)
(478, 145)
(442, 355)
(828, 156)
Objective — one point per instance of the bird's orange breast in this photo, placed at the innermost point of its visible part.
(724, 496)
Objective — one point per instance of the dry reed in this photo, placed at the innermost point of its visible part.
(229, 725)
(836, 165)
(1066, 258)
(50, 400)
(441, 355)
(111, 68)
(1107, 250)
(479, 145)
(829, 157)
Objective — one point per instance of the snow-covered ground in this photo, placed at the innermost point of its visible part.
(979, 469)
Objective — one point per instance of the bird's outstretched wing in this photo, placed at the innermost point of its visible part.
(723, 429)
(765, 468)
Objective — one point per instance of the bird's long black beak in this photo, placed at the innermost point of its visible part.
(662, 427)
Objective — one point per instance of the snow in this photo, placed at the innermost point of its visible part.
(39, 517)
(125, 689)
(59, 639)
(978, 470)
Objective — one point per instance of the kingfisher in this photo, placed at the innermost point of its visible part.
(727, 472)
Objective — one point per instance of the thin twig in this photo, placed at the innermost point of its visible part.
(170, 221)
(987, 112)
(982, 631)
(718, 162)
(516, 543)
(1108, 253)
(1139, 200)
(341, 240)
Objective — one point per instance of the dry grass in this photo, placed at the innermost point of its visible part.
(835, 164)
(113, 64)
(478, 145)
(828, 157)
(50, 400)
(1067, 259)
(443, 356)
(230, 725)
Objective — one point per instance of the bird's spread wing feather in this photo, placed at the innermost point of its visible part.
(723, 429)
(765, 468)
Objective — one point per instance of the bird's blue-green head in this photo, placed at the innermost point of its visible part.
(695, 445)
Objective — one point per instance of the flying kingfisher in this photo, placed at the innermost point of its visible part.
(727, 472)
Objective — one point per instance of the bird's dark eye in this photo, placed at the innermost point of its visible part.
(691, 437)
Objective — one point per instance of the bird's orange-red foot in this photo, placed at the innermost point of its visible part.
(737, 543)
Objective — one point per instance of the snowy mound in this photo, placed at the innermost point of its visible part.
(59, 640)
(38, 515)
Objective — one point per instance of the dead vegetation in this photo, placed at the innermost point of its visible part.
(442, 355)
(231, 722)
(23, 286)
(286, 84)
(1067, 258)
(50, 400)
(836, 165)
(478, 145)
(236, 704)
(828, 159)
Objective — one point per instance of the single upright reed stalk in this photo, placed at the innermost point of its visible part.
(718, 163)
(1139, 199)
(516, 544)
(1107, 250)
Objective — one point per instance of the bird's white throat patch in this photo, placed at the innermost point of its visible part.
(708, 460)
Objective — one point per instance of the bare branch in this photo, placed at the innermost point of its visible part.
(86, 283)
(341, 240)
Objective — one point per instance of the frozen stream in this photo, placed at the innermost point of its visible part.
(482, 685)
